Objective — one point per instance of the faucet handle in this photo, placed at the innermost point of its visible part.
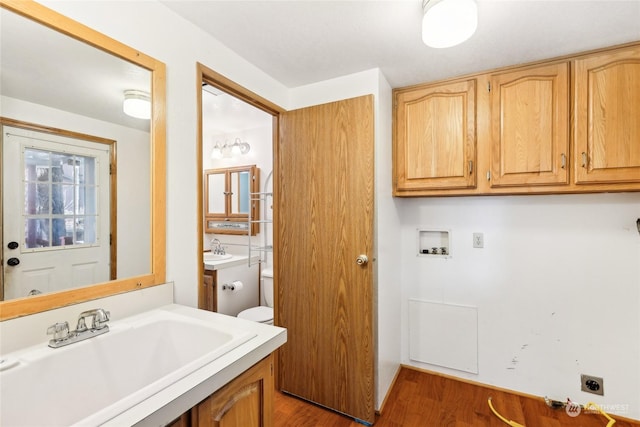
(100, 319)
(59, 330)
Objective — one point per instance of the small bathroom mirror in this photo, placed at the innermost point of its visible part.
(230, 207)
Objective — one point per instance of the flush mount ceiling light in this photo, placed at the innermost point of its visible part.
(137, 104)
(447, 23)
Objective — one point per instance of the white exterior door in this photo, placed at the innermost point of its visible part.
(56, 212)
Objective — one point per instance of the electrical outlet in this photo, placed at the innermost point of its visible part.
(478, 240)
(592, 384)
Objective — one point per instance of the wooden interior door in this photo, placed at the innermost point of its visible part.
(325, 182)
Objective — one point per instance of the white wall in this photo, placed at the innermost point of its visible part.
(547, 259)
(133, 214)
(557, 286)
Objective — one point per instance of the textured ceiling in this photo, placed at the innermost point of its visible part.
(45, 67)
(302, 42)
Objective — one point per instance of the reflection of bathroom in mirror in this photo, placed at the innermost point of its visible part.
(236, 145)
(77, 171)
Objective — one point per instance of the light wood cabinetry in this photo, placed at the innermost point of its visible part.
(436, 136)
(529, 126)
(209, 294)
(566, 125)
(607, 117)
(247, 401)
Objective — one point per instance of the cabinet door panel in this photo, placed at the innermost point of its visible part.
(436, 137)
(607, 112)
(246, 401)
(530, 126)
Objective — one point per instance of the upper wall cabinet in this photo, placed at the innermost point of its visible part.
(566, 125)
(607, 117)
(435, 137)
(529, 126)
(229, 202)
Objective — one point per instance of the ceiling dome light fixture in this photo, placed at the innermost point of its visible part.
(447, 23)
(137, 104)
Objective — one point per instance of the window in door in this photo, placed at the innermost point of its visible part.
(60, 196)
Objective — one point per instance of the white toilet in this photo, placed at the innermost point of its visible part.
(262, 314)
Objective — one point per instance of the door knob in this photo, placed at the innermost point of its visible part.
(13, 262)
(13, 245)
(362, 260)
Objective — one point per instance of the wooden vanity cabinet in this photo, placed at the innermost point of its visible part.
(607, 117)
(209, 294)
(247, 401)
(435, 137)
(530, 126)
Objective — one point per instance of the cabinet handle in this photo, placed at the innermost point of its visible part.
(470, 167)
(563, 160)
(584, 159)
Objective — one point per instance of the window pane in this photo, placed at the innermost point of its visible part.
(86, 230)
(86, 170)
(37, 233)
(58, 231)
(68, 197)
(36, 199)
(57, 199)
(88, 201)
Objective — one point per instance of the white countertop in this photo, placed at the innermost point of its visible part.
(234, 261)
(174, 400)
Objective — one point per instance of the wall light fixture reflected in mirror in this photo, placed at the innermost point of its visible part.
(137, 104)
(227, 150)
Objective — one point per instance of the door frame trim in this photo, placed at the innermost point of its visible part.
(213, 78)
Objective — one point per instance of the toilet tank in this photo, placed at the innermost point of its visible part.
(267, 286)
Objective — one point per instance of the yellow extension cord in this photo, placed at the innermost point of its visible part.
(511, 423)
(589, 405)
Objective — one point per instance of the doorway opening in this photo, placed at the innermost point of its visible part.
(236, 129)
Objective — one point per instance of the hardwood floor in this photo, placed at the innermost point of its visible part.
(420, 399)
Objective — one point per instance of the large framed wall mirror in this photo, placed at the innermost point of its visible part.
(230, 201)
(63, 85)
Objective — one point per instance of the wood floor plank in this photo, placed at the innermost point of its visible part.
(421, 399)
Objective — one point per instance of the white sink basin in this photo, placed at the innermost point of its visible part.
(90, 382)
(216, 257)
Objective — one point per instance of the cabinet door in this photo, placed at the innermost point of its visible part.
(435, 137)
(246, 401)
(209, 293)
(530, 126)
(607, 117)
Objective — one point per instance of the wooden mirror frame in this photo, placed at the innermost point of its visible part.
(34, 304)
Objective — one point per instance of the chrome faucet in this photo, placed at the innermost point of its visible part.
(217, 248)
(62, 336)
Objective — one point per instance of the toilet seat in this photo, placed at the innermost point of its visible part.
(260, 314)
